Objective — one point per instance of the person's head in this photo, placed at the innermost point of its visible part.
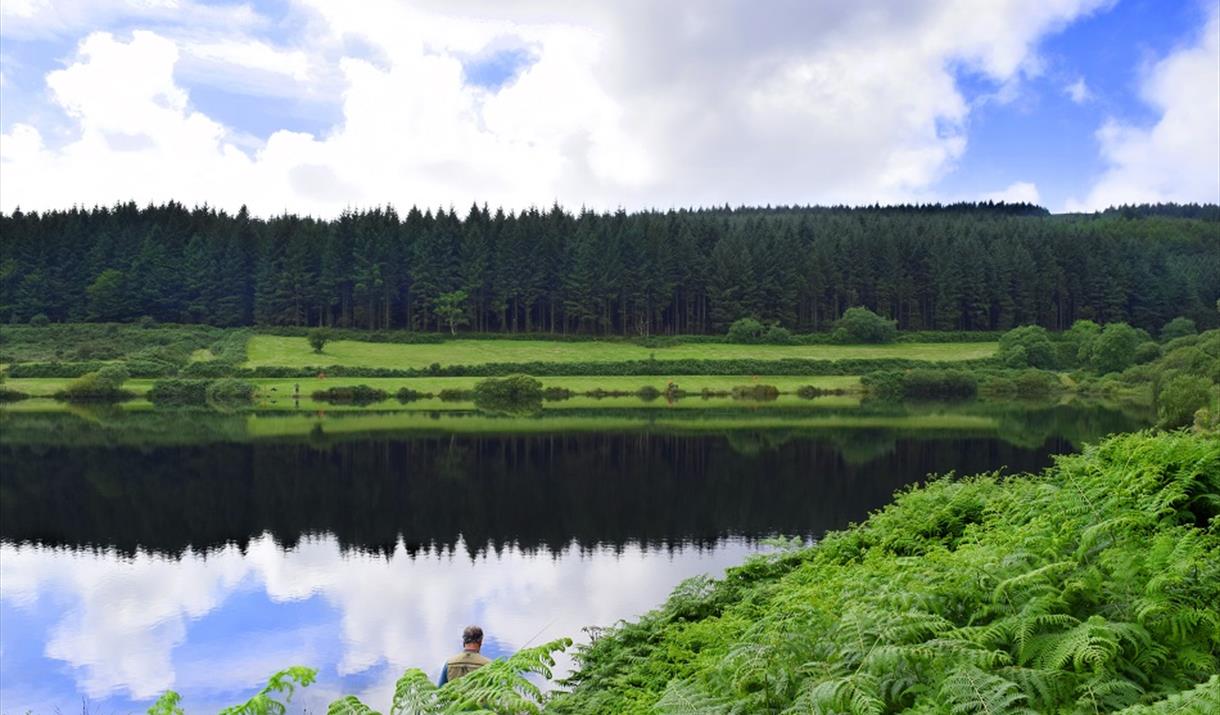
(472, 638)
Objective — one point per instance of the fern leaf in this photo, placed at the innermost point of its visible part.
(682, 697)
(1203, 699)
(349, 705)
(167, 704)
(969, 690)
(266, 701)
(414, 694)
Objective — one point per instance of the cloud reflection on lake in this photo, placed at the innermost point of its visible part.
(212, 626)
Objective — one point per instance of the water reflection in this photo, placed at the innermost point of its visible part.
(533, 492)
(121, 629)
(202, 552)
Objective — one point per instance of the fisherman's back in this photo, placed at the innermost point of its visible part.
(464, 663)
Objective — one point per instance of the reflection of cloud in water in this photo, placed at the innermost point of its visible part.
(125, 624)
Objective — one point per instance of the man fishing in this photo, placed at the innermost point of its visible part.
(469, 660)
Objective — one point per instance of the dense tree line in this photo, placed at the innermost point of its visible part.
(957, 267)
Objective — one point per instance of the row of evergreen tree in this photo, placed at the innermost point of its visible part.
(958, 267)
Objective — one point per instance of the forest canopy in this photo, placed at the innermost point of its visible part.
(958, 267)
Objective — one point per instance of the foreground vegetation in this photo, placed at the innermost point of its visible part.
(1090, 588)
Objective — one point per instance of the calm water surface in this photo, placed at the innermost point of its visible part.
(203, 552)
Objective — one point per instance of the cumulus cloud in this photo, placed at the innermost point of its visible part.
(637, 104)
(1015, 193)
(1178, 157)
(1078, 91)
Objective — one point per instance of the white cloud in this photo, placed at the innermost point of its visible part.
(1078, 91)
(1016, 192)
(1177, 158)
(636, 104)
(125, 622)
(43, 19)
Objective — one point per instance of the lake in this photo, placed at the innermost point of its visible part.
(142, 550)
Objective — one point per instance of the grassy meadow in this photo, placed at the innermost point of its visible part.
(275, 350)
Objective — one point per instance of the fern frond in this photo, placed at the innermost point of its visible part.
(970, 690)
(1104, 693)
(1087, 646)
(857, 694)
(349, 705)
(414, 694)
(1028, 578)
(682, 697)
(167, 704)
(1203, 699)
(266, 701)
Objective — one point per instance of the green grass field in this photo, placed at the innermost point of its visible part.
(274, 350)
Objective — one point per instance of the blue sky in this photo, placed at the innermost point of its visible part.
(313, 106)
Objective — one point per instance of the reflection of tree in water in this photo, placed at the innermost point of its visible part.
(861, 446)
(534, 491)
(1075, 424)
(751, 442)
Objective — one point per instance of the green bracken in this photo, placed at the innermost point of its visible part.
(1090, 588)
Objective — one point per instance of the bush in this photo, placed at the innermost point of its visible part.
(808, 392)
(515, 393)
(96, 350)
(921, 383)
(208, 368)
(1179, 327)
(1179, 399)
(777, 335)
(555, 394)
(1028, 346)
(883, 384)
(746, 331)
(761, 393)
(8, 394)
(318, 337)
(406, 394)
(1146, 352)
(454, 394)
(39, 320)
(861, 325)
(1076, 343)
(1114, 349)
(1036, 383)
(351, 395)
(648, 393)
(178, 391)
(926, 383)
(105, 385)
(230, 391)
